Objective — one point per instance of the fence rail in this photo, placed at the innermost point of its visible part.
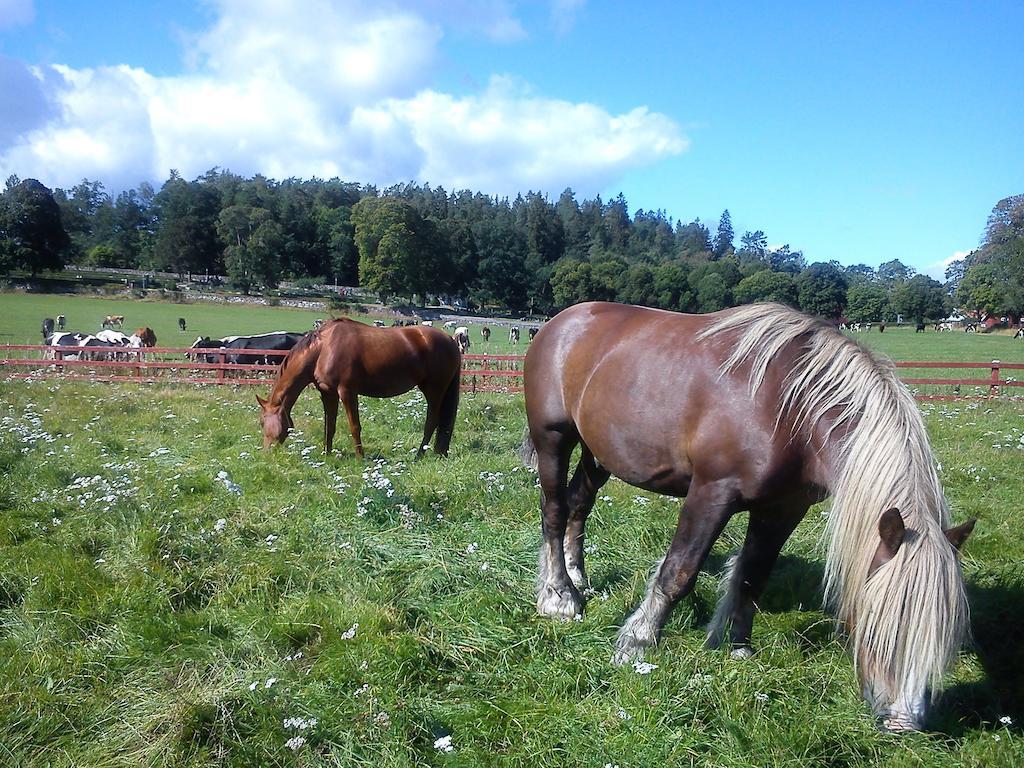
(181, 365)
(480, 373)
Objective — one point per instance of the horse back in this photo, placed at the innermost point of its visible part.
(383, 362)
(646, 396)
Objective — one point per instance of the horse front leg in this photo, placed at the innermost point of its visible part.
(705, 512)
(768, 528)
(556, 595)
(330, 400)
(586, 482)
(351, 403)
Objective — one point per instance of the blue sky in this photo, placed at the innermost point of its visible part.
(856, 133)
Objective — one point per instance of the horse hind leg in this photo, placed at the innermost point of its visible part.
(768, 528)
(556, 594)
(586, 482)
(330, 402)
(707, 509)
(433, 419)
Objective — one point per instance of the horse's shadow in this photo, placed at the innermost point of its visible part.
(996, 613)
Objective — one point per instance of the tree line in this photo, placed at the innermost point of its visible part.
(410, 242)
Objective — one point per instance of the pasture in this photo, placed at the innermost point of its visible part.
(173, 595)
(21, 315)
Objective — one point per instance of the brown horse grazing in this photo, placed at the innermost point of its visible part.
(345, 359)
(758, 408)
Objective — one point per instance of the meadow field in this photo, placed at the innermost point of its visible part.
(171, 594)
(21, 315)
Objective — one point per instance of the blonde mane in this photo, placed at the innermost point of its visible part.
(909, 619)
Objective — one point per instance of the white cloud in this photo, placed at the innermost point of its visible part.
(16, 13)
(564, 13)
(326, 89)
(937, 270)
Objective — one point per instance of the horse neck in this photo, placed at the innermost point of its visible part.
(293, 377)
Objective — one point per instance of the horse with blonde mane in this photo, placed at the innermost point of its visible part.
(344, 359)
(764, 409)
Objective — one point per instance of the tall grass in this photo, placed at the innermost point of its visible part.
(173, 595)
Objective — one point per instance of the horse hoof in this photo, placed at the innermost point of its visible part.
(579, 580)
(897, 724)
(627, 653)
(628, 649)
(741, 652)
(560, 604)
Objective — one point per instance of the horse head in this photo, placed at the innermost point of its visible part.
(275, 422)
(880, 682)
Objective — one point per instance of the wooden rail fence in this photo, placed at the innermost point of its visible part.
(480, 373)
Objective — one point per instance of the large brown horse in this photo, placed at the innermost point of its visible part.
(764, 409)
(345, 359)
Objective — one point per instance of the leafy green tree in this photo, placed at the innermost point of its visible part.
(983, 289)
(693, 240)
(724, 236)
(254, 238)
(607, 277)
(32, 235)
(572, 282)
(921, 298)
(712, 293)
(867, 303)
(186, 233)
(766, 285)
(785, 260)
(894, 273)
(672, 287)
(80, 210)
(858, 273)
(637, 286)
(400, 252)
(102, 256)
(821, 290)
(754, 244)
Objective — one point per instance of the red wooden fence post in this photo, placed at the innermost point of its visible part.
(221, 363)
(994, 386)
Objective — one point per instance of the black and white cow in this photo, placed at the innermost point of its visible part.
(278, 340)
(88, 347)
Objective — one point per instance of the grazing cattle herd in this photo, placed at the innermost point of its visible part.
(110, 344)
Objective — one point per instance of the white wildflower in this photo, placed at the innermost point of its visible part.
(644, 667)
(349, 633)
(295, 742)
(444, 744)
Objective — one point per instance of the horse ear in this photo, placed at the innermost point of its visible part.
(892, 530)
(958, 535)
(262, 402)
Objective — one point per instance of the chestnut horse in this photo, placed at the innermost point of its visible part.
(345, 359)
(764, 409)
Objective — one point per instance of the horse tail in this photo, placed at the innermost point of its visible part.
(449, 408)
(527, 450)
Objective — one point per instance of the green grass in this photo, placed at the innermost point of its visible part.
(21, 316)
(145, 607)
